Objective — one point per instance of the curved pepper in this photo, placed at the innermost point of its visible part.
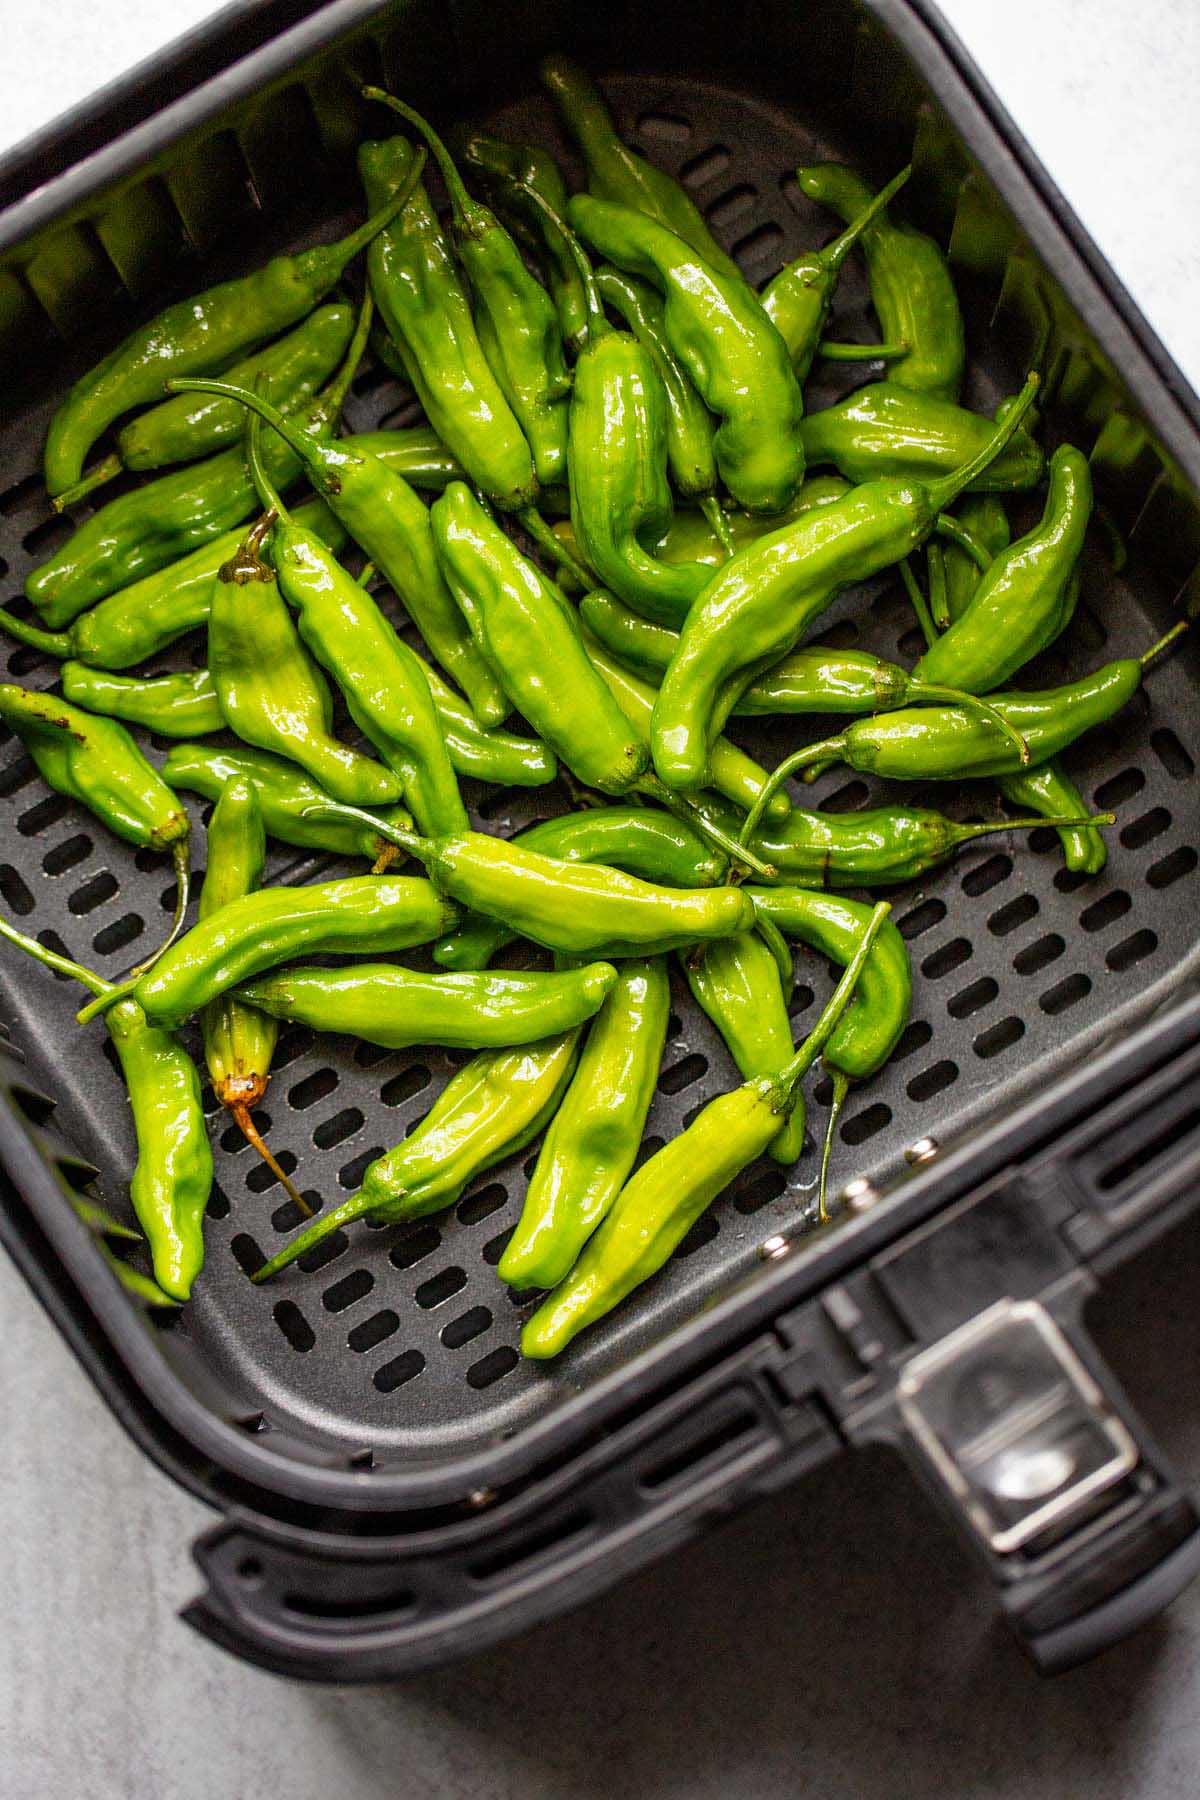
(395, 1007)
(196, 335)
(182, 706)
(985, 518)
(883, 429)
(658, 1206)
(487, 1111)
(734, 355)
(737, 984)
(1049, 791)
(593, 1139)
(911, 287)
(493, 755)
(286, 798)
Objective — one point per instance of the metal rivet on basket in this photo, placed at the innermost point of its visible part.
(923, 1151)
(858, 1196)
(480, 1497)
(772, 1248)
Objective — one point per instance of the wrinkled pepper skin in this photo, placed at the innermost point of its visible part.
(285, 797)
(736, 359)
(884, 430)
(529, 635)
(617, 173)
(360, 916)
(383, 1004)
(486, 1112)
(1050, 791)
(178, 706)
(871, 848)
(194, 337)
(593, 1139)
(428, 315)
(135, 624)
(911, 287)
(736, 982)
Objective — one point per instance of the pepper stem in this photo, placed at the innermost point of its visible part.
(53, 643)
(531, 521)
(793, 1072)
(337, 256)
(939, 599)
(922, 691)
(942, 492)
(580, 257)
(780, 949)
(329, 403)
(239, 1111)
(62, 965)
(949, 527)
(307, 448)
(860, 353)
(912, 588)
(714, 512)
(835, 254)
(323, 1227)
(461, 203)
(841, 1087)
(830, 749)
(1163, 645)
(395, 834)
(962, 834)
(267, 492)
(687, 814)
(87, 484)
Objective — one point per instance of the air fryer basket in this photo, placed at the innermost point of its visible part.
(382, 1375)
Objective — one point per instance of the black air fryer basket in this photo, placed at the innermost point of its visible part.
(395, 1486)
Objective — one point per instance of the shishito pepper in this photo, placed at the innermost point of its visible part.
(196, 335)
(239, 1040)
(657, 1207)
(883, 429)
(737, 983)
(182, 706)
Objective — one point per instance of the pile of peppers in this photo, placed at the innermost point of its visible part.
(614, 535)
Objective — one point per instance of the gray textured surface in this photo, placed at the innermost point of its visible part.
(834, 1643)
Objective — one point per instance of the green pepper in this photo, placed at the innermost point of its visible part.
(181, 706)
(492, 755)
(417, 453)
(96, 762)
(172, 1178)
(184, 429)
(428, 315)
(395, 1007)
(508, 172)
(763, 601)
(943, 743)
(1049, 791)
(1027, 596)
(637, 839)
(734, 355)
(285, 798)
(799, 299)
(270, 692)
(355, 917)
(195, 336)
(514, 316)
(486, 1112)
(737, 983)
(911, 286)
(984, 516)
(883, 429)
(615, 172)
(239, 1040)
(135, 624)
(577, 909)
(657, 1207)
(593, 1139)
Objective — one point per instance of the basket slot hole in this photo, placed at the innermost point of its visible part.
(22, 494)
(866, 1124)
(317, 1086)
(914, 1037)
(846, 799)
(702, 1232)
(119, 935)
(294, 1042)
(493, 1250)
(753, 1195)
(1105, 911)
(415, 1247)
(294, 1326)
(36, 1107)
(843, 634)
(682, 1074)
(496, 805)
(370, 1332)
(1039, 955)
(729, 207)
(1013, 915)
(945, 960)
(392, 1375)
(493, 1367)
(246, 1253)
(1147, 828)
(482, 1205)
(664, 128)
(934, 1080)
(335, 1131)
(367, 1056)
(350, 1174)
(92, 894)
(17, 775)
(709, 166)
(1119, 788)
(466, 1327)
(260, 1178)
(43, 815)
(651, 1145)
(999, 1037)
(1171, 754)
(1131, 950)
(49, 536)
(922, 918)
(973, 999)
(1173, 867)
(987, 875)
(68, 854)
(14, 892)
(440, 1288)
(346, 1292)
(759, 248)
(1065, 994)
(911, 644)
(405, 1085)
(802, 998)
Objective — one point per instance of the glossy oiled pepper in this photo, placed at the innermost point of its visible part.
(417, 453)
(594, 1136)
(942, 743)
(239, 1041)
(576, 908)
(615, 172)
(285, 798)
(985, 518)
(383, 514)
(428, 315)
(886, 430)
(508, 172)
(191, 426)
(492, 755)
(799, 299)
(1027, 596)
(362, 915)
(911, 287)
(172, 1179)
(96, 762)
(758, 607)
(395, 1007)
(656, 1209)
(690, 425)
(1049, 790)
(270, 692)
(182, 706)
(198, 335)
(514, 315)
(717, 327)
(487, 1111)
(131, 626)
(634, 838)
(737, 983)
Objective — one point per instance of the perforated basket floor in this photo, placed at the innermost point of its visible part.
(390, 1343)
